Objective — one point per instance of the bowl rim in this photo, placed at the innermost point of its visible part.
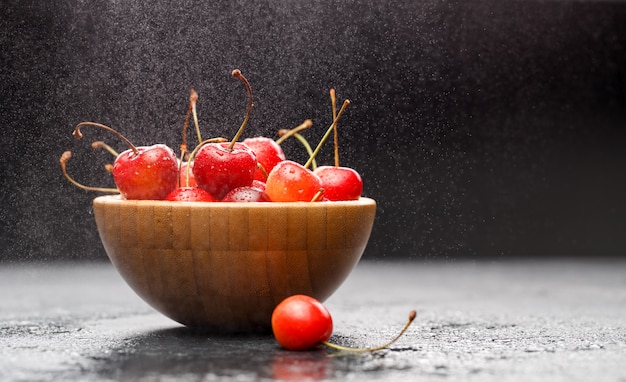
(118, 200)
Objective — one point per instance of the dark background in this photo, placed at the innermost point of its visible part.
(482, 129)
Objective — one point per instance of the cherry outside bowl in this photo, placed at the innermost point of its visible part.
(225, 266)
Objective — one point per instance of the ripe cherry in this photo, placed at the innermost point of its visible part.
(301, 322)
(187, 177)
(290, 181)
(221, 167)
(268, 154)
(190, 194)
(246, 194)
(145, 172)
(259, 184)
(340, 183)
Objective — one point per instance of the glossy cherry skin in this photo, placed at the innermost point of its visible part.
(268, 154)
(340, 183)
(259, 184)
(150, 174)
(301, 322)
(291, 182)
(218, 169)
(246, 194)
(189, 194)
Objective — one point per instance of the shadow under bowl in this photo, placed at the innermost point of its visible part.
(225, 266)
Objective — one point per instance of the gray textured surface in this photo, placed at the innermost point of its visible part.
(511, 321)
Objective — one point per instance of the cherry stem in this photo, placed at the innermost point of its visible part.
(318, 195)
(183, 151)
(193, 98)
(412, 316)
(328, 132)
(262, 169)
(333, 102)
(286, 133)
(65, 157)
(303, 141)
(183, 142)
(78, 135)
(180, 165)
(187, 170)
(101, 145)
(237, 74)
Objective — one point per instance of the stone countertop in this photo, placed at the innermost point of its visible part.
(553, 320)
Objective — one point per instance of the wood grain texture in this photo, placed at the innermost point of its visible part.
(225, 266)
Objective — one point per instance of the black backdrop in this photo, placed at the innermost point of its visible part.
(484, 128)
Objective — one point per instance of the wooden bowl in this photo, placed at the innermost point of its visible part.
(225, 266)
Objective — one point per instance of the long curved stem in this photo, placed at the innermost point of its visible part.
(77, 133)
(237, 74)
(307, 147)
(193, 98)
(412, 316)
(66, 157)
(286, 133)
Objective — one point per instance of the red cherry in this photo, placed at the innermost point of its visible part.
(149, 173)
(246, 194)
(268, 154)
(289, 181)
(221, 167)
(146, 172)
(301, 322)
(189, 194)
(340, 183)
(218, 168)
(258, 184)
(330, 129)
